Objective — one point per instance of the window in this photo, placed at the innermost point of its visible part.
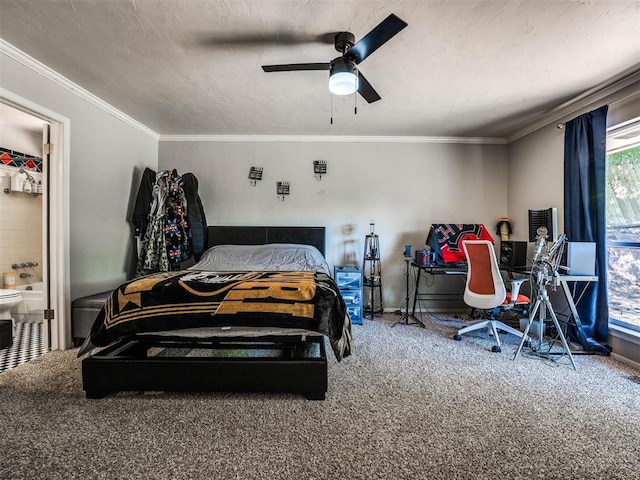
(623, 224)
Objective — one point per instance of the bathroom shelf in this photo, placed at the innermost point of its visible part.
(33, 194)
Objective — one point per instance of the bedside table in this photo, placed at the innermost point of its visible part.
(349, 281)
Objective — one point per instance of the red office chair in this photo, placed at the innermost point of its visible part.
(485, 290)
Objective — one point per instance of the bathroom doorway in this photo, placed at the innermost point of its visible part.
(23, 177)
(32, 243)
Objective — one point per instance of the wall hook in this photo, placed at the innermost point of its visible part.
(319, 168)
(255, 175)
(283, 189)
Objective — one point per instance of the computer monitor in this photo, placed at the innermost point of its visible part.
(581, 258)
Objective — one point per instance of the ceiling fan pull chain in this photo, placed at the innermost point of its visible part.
(355, 103)
(331, 109)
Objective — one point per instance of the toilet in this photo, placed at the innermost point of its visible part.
(8, 300)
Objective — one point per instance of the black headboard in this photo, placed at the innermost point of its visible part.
(225, 235)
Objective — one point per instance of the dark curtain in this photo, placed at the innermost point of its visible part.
(584, 218)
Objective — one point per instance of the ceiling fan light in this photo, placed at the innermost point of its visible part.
(343, 83)
(343, 77)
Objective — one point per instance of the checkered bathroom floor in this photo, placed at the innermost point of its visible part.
(27, 344)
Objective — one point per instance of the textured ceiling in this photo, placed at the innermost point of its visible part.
(461, 67)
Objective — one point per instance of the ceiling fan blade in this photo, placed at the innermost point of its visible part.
(261, 39)
(377, 37)
(366, 90)
(292, 67)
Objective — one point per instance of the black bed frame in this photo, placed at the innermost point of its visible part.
(226, 235)
(295, 364)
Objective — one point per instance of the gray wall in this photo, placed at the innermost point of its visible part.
(107, 157)
(536, 177)
(403, 187)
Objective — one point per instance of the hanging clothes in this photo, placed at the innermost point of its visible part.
(153, 254)
(177, 232)
(169, 219)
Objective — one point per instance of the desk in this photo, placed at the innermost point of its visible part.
(562, 281)
(434, 270)
(558, 280)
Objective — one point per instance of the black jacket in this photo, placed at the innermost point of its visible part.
(195, 215)
(142, 207)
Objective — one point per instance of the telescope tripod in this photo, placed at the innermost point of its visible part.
(541, 305)
(405, 317)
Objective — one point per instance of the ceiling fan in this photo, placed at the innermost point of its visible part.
(344, 76)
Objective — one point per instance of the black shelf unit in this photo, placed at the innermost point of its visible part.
(372, 271)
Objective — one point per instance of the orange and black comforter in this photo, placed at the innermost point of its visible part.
(173, 301)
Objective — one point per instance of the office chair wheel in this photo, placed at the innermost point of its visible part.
(496, 349)
(457, 337)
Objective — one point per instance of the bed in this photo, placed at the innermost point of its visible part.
(224, 325)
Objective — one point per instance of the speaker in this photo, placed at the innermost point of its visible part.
(513, 254)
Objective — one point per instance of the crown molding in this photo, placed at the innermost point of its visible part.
(333, 139)
(585, 99)
(50, 74)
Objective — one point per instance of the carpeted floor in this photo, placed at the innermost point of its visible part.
(410, 403)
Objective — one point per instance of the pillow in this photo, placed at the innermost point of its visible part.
(271, 257)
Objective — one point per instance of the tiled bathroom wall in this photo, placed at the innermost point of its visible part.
(20, 233)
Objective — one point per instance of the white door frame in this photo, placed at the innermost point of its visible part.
(58, 211)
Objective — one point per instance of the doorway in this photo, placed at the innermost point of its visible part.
(23, 174)
(43, 278)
